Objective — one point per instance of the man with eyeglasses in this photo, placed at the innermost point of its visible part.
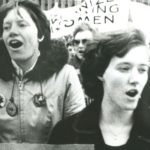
(82, 34)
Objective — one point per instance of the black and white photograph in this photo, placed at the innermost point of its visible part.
(74, 75)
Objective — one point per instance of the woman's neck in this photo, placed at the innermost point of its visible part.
(115, 124)
(27, 65)
(112, 113)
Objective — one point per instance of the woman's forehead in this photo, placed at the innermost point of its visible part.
(18, 13)
(138, 55)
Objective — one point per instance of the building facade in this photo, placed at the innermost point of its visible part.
(48, 4)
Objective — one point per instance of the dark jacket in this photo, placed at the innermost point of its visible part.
(76, 62)
(144, 110)
(83, 128)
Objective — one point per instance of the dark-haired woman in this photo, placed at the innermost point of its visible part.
(37, 88)
(115, 71)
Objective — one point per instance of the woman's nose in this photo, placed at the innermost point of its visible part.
(12, 34)
(134, 77)
(13, 31)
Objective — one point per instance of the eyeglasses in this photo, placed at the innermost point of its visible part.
(83, 41)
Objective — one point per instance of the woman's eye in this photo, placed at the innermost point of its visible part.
(6, 28)
(22, 25)
(142, 70)
(124, 69)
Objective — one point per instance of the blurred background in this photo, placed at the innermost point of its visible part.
(48, 4)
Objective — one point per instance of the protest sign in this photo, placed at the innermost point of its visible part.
(140, 18)
(105, 15)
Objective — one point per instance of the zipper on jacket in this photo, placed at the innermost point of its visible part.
(20, 87)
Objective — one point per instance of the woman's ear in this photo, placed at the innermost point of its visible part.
(41, 39)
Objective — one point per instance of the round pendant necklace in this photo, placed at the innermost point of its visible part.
(11, 107)
(39, 99)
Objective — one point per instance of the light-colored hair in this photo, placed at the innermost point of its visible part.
(83, 27)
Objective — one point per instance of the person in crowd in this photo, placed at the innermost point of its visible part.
(70, 47)
(82, 34)
(115, 77)
(143, 110)
(37, 86)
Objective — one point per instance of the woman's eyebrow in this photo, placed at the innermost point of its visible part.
(6, 22)
(128, 63)
(123, 63)
(146, 64)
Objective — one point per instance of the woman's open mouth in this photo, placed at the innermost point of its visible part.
(15, 43)
(132, 93)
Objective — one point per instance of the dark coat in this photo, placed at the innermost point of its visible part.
(143, 111)
(83, 128)
(76, 62)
